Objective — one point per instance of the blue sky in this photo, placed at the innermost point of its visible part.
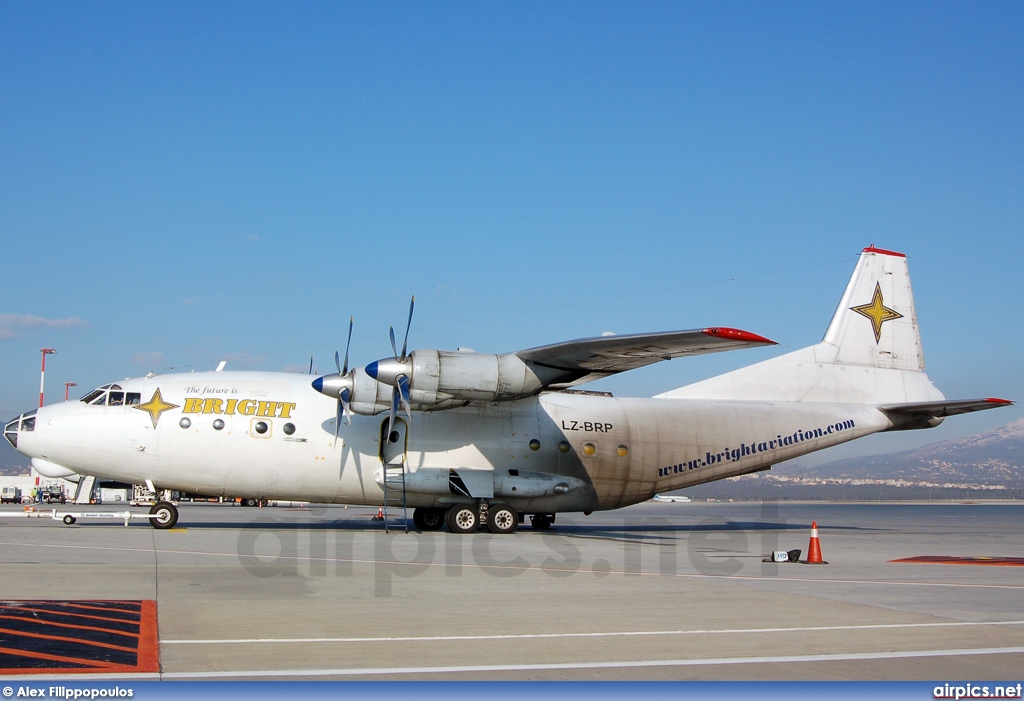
(182, 183)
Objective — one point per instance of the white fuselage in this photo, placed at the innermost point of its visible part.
(616, 451)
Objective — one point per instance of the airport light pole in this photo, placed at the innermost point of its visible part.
(67, 388)
(42, 373)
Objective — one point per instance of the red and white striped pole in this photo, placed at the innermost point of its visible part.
(42, 373)
(67, 388)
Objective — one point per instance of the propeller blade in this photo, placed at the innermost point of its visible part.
(311, 365)
(403, 393)
(345, 397)
(337, 362)
(405, 343)
(351, 321)
(337, 418)
(394, 348)
(391, 417)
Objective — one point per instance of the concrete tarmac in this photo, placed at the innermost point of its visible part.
(655, 591)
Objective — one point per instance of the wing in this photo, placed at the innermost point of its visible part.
(587, 359)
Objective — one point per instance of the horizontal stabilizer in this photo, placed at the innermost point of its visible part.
(944, 408)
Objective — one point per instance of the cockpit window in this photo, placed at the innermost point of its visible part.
(111, 395)
(28, 423)
(91, 396)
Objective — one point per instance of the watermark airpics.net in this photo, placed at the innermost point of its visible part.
(311, 547)
(974, 690)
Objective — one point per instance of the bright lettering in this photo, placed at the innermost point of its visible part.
(213, 406)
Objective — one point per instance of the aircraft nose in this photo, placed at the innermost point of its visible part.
(26, 422)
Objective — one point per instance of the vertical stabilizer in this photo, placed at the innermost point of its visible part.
(875, 324)
(871, 353)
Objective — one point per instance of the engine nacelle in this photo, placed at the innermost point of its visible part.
(365, 395)
(440, 379)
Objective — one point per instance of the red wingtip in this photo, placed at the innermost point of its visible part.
(872, 249)
(995, 400)
(738, 335)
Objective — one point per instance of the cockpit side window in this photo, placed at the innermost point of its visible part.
(132, 399)
(28, 423)
(101, 400)
(116, 399)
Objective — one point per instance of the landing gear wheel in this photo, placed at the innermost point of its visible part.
(69, 519)
(462, 518)
(166, 515)
(502, 518)
(428, 519)
(249, 502)
(541, 522)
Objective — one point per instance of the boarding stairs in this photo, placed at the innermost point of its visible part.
(394, 492)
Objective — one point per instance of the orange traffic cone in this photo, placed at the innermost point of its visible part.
(814, 548)
(380, 514)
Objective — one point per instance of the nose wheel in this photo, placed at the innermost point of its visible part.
(166, 515)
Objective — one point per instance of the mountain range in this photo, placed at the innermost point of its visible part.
(995, 457)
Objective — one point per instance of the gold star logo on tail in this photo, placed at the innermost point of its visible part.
(877, 312)
(155, 407)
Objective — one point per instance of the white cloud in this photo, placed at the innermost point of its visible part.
(15, 325)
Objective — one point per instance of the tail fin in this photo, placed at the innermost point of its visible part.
(871, 352)
(875, 324)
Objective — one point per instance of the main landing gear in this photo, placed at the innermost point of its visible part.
(429, 519)
(467, 518)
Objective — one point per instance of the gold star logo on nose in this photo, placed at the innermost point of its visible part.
(877, 312)
(155, 407)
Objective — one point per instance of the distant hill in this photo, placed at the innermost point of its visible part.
(989, 465)
(994, 457)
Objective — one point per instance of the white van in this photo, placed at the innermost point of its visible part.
(10, 495)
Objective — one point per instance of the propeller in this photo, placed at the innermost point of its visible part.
(345, 396)
(339, 386)
(395, 372)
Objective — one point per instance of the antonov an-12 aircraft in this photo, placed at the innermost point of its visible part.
(473, 440)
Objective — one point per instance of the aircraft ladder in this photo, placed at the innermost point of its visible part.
(394, 491)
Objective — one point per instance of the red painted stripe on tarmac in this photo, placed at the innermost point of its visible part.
(957, 560)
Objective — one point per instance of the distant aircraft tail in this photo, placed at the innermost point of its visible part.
(871, 353)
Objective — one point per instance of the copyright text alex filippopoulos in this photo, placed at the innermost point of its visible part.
(67, 692)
